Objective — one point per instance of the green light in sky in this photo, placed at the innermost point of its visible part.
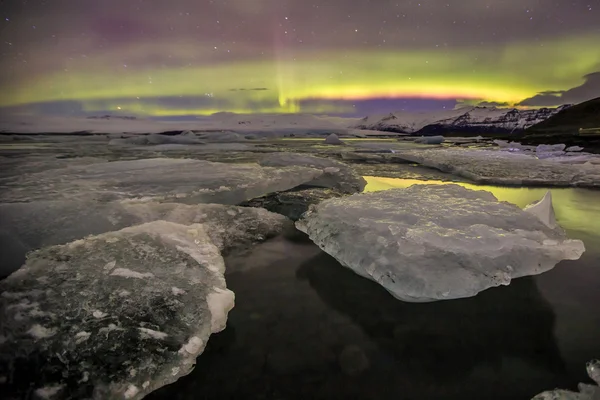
(507, 73)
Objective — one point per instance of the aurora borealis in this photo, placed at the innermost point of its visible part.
(185, 57)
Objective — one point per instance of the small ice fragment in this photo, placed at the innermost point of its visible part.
(149, 333)
(543, 210)
(193, 346)
(39, 332)
(132, 390)
(176, 291)
(99, 314)
(127, 273)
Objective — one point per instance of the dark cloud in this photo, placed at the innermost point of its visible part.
(251, 89)
(493, 104)
(586, 91)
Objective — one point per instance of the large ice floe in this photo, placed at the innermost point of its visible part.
(29, 226)
(509, 168)
(437, 242)
(122, 313)
(586, 391)
(338, 179)
(336, 175)
(111, 316)
(181, 180)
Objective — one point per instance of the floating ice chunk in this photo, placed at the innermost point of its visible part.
(586, 391)
(178, 180)
(148, 326)
(543, 210)
(503, 167)
(550, 148)
(436, 242)
(333, 139)
(430, 140)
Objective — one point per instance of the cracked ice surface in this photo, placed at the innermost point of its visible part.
(121, 335)
(432, 242)
(179, 180)
(29, 226)
(506, 168)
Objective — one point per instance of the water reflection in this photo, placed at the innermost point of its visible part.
(574, 207)
(298, 311)
(443, 341)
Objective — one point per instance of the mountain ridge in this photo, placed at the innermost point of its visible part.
(464, 120)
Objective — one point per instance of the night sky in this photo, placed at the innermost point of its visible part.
(351, 57)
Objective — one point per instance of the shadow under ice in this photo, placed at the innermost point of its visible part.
(297, 312)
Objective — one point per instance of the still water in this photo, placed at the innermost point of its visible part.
(304, 327)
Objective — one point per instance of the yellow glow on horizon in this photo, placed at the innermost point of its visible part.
(505, 74)
(576, 209)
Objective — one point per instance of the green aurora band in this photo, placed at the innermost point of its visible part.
(280, 82)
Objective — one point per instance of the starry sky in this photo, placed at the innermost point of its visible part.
(180, 58)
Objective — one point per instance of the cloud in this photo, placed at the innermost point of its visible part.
(481, 103)
(493, 104)
(251, 89)
(586, 91)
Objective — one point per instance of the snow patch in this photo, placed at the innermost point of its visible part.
(176, 291)
(109, 266)
(39, 332)
(194, 346)
(131, 391)
(48, 392)
(152, 334)
(220, 302)
(82, 336)
(99, 314)
(127, 273)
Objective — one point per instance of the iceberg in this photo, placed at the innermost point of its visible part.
(436, 242)
(112, 316)
(333, 139)
(543, 210)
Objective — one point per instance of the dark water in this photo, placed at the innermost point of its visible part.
(304, 327)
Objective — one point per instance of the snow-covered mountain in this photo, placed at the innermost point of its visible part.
(460, 120)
